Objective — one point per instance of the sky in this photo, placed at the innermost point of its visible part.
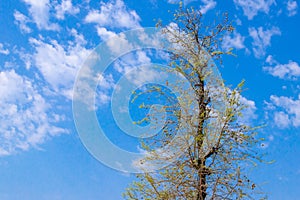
(44, 48)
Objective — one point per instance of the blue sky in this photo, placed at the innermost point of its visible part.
(44, 44)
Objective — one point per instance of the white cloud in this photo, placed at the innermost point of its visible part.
(3, 50)
(59, 64)
(173, 1)
(140, 75)
(236, 41)
(185, 2)
(136, 68)
(119, 44)
(65, 7)
(270, 60)
(22, 20)
(130, 61)
(281, 119)
(248, 112)
(105, 83)
(248, 106)
(105, 34)
(252, 7)
(291, 70)
(26, 120)
(238, 21)
(114, 14)
(39, 10)
(87, 80)
(292, 7)
(286, 111)
(262, 39)
(207, 5)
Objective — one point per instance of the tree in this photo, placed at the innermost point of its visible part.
(214, 161)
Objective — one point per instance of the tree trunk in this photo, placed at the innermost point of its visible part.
(201, 193)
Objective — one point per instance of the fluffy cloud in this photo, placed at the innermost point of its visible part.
(65, 7)
(39, 10)
(262, 39)
(285, 111)
(291, 70)
(281, 119)
(236, 41)
(114, 14)
(105, 34)
(26, 120)
(252, 7)
(21, 20)
(59, 64)
(292, 7)
(119, 44)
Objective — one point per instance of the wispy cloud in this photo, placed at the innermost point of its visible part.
(291, 70)
(59, 63)
(3, 50)
(262, 39)
(252, 7)
(130, 64)
(249, 113)
(207, 5)
(114, 14)
(26, 117)
(185, 2)
(285, 111)
(66, 7)
(21, 20)
(292, 8)
(39, 10)
(235, 40)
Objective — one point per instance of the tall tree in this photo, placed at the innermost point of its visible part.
(214, 161)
